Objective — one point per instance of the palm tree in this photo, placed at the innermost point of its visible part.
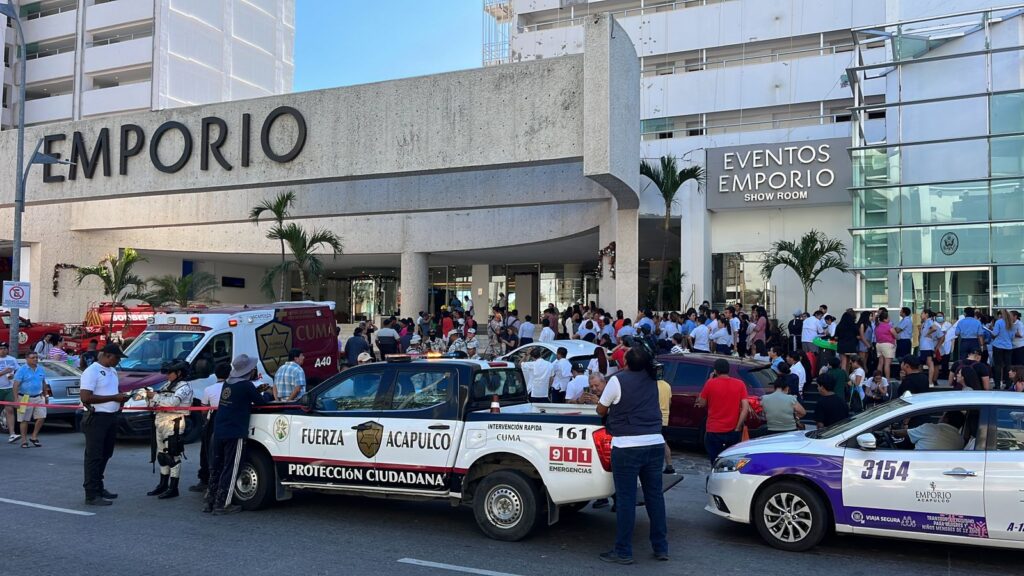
(197, 287)
(119, 283)
(278, 209)
(667, 178)
(813, 254)
(303, 246)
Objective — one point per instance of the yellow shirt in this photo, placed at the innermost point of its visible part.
(664, 400)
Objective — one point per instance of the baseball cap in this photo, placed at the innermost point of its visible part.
(471, 331)
(363, 357)
(415, 339)
(4, 345)
(113, 349)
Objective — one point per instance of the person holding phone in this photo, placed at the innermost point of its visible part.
(576, 387)
(102, 400)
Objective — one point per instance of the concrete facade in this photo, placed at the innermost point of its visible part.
(405, 168)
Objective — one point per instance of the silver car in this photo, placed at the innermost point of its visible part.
(64, 381)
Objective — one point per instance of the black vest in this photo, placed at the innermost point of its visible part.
(638, 411)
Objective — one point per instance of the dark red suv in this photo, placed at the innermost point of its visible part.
(687, 374)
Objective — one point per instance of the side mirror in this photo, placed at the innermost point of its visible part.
(867, 441)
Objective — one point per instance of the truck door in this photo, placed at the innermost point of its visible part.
(421, 429)
(1004, 491)
(337, 441)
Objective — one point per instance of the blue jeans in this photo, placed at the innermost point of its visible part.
(716, 442)
(628, 465)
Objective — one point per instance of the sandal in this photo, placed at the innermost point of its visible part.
(35, 442)
(24, 445)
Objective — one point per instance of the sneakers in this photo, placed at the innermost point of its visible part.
(97, 501)
(669, 470)
(234, 508)
(207, 507)
(661, 556)
(13, 438)
(109, 495)
(613, 557)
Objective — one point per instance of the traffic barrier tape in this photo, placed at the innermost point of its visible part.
(147, 408)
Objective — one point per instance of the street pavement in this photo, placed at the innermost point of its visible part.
(316, 534)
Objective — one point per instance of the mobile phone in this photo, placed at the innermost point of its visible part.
(586, 389)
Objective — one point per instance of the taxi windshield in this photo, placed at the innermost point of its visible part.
(152, 348)
(844, 426)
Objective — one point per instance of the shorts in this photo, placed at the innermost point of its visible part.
(886, 350)
(31, 413)
(903, 347)
(7, 395)
(925, 355)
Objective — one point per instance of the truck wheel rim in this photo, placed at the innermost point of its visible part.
(504, 507)
(788, 517)
(247, 482)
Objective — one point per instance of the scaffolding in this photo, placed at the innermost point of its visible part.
(497, 31)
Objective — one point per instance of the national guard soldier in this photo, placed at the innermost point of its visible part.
(168, 444)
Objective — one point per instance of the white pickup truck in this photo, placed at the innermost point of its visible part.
(423, 429)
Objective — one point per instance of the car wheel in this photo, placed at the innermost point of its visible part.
(506, 505)
(255, 482)
(790, 516)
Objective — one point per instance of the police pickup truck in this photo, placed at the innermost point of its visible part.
(425, 429)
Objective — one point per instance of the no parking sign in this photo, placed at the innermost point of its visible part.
(16, 294)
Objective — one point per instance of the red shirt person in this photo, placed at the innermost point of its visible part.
(726, 400)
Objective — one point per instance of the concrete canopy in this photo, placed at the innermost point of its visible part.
(418, 165)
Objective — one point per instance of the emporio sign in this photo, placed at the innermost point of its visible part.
(212, 133)
(778, 175)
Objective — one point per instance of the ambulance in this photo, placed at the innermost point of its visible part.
(206, 337)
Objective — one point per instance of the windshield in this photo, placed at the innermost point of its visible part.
(151, 349)
(844, 426)
(507, 384)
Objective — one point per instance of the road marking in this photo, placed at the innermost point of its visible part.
(453, 567)
(45, 507)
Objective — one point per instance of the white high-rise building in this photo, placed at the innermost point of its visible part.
(95, 57)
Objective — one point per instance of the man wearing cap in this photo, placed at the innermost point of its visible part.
(230, 430)
(8, 366)
(99, 394)
(415, 345)
(364, 358)
(290, 380)
(471, 342)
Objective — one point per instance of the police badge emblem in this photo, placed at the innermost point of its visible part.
(369, 436)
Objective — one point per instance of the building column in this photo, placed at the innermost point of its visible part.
(415, 283)
(606, 284)
(480, 293)
(694, 249)
(627, 260)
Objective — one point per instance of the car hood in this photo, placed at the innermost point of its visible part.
(786, 442)
(128, 381)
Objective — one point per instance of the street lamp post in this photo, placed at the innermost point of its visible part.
(11, 11)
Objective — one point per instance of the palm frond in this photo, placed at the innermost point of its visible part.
(811, 256)
(271, 275)
(277, 207)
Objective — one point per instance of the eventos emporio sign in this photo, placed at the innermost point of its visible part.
(779, 175)
(212, 134)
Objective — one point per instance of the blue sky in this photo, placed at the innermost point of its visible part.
(345, 42)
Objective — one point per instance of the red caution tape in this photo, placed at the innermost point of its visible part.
(150, 408)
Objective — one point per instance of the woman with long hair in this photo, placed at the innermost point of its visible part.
(847, 335)
(599, 363)
(722, 337)
(967, 379)
(758, 330)
(885, 342)
(865, 333)
(1016, 379)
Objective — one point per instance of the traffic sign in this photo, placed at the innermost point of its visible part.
(17, 294)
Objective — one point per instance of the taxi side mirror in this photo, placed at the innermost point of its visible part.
(867, 441)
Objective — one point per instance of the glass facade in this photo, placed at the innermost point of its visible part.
(938, 201)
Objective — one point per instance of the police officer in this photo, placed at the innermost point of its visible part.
(169, 426)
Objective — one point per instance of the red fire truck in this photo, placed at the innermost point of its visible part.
(107, 322)
(29, 333)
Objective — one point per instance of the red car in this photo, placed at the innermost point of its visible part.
(687, 374)
(29, 333)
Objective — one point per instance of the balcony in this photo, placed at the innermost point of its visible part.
(51, 67)
(118, 13)
(125, 54)
(48, 109)
(137, 96)
(56, 23)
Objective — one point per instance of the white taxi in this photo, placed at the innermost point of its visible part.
(942, 467)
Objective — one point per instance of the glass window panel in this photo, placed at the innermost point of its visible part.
(1006, 69)
(876, 248)
(874, 288)
(1007, 156)
(1007, 199)
(924, 80)
(959, 119)
(875, 167)
(937, 203)
(945, 245)
(1008, 243)
(964, 160)
(875, 207)
(1008, 291)
(1007, 113)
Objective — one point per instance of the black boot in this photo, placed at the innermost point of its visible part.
(161, 487)
(172, 490)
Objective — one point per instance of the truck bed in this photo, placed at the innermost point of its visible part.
(580, 414)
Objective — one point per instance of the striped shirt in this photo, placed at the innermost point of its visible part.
(289, 377)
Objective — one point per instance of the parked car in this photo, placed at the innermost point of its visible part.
(64, 381)
(687, 374)
(580, 352)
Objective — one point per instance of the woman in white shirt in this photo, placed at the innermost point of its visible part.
(723, 338)
(701, 337)
(877, 389)
(857, 384)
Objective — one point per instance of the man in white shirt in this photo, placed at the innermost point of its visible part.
(577, 385)
(546, 333)
(8, 366)
(942, 436)
(700, 338)
(99, 393)
(813, 327)
(526, 331)
(795, 367)
(537, 373)
(561, 375)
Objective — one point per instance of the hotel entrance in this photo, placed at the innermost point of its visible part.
(949, 290)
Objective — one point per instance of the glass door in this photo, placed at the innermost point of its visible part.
(948, 290)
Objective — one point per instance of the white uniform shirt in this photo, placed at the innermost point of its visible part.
(547, 334)
(526, 330)
(701, 336)
(538, 377)
(611, 396)
(947, 343)
(811, 330)
(575, 387)
(5, 363)
(101, 381)
(928, 336)
(1018, 334)
(562, 370)
(939, 436)
(801, 375)
(211, 395)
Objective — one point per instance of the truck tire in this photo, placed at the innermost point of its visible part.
(507, 505)
(790, 516)
(255, 483)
